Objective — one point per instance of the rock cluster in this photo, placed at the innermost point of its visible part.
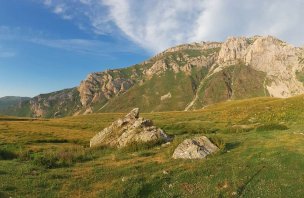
(128, 130)
(196, 148)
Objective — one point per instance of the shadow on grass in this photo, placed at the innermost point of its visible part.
(242, 188)
(271, 127)
(7, 155)
(50, 141)
(231, 145)
(65, 157)
(3, 195)
(2, 173)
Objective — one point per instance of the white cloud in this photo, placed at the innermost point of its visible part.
(59, 9)
(84, 46)
(47, 2)
(157, 24)
(78, 45)
(6, 53)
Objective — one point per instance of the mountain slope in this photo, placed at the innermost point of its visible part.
(13, 105)
(185, 77)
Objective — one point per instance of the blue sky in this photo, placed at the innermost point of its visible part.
(48, 45)
(41, 52)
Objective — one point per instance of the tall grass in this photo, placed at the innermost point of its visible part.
(63, 158)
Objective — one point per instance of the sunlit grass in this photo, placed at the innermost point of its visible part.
(51, 158)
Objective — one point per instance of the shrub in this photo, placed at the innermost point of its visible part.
(271, 127)
(7, 155)
(63, 158)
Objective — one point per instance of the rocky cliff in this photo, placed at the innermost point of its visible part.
(185, 77)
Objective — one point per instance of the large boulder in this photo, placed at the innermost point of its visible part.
(127, 130)
(196, 148)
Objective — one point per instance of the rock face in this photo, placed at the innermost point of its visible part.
(196, 148)
(185, 77)
(102, 86)
(55, 104)
(128, 130)
(277, 59)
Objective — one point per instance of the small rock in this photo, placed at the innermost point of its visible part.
(166, 144)
(166, 96)
(134, 114)
(196, 148)
(165, 172)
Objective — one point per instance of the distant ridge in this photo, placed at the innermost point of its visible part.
(11, 105)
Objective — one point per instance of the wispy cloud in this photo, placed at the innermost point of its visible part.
(78, 45)
(93, 47)
(158, 24)
(6, 53)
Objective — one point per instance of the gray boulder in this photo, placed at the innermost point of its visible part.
(127, 130)
(196, 148)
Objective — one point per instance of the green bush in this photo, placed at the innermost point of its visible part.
(63, 158)
(271, 127)
(7, 155)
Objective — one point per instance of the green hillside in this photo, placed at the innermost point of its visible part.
(148, 96)
(12, 105)
(234, 82)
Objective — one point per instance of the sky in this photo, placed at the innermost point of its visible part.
(48, 45)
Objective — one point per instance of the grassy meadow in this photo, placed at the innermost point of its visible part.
(261, 141)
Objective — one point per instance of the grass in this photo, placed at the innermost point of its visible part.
(233, 82)
(300, 74)
(271, 127)
(62, 158)
(51, 158)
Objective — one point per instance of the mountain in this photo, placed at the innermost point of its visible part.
(185, 77)
(13, 105)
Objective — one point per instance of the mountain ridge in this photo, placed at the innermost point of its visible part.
(185, 77)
